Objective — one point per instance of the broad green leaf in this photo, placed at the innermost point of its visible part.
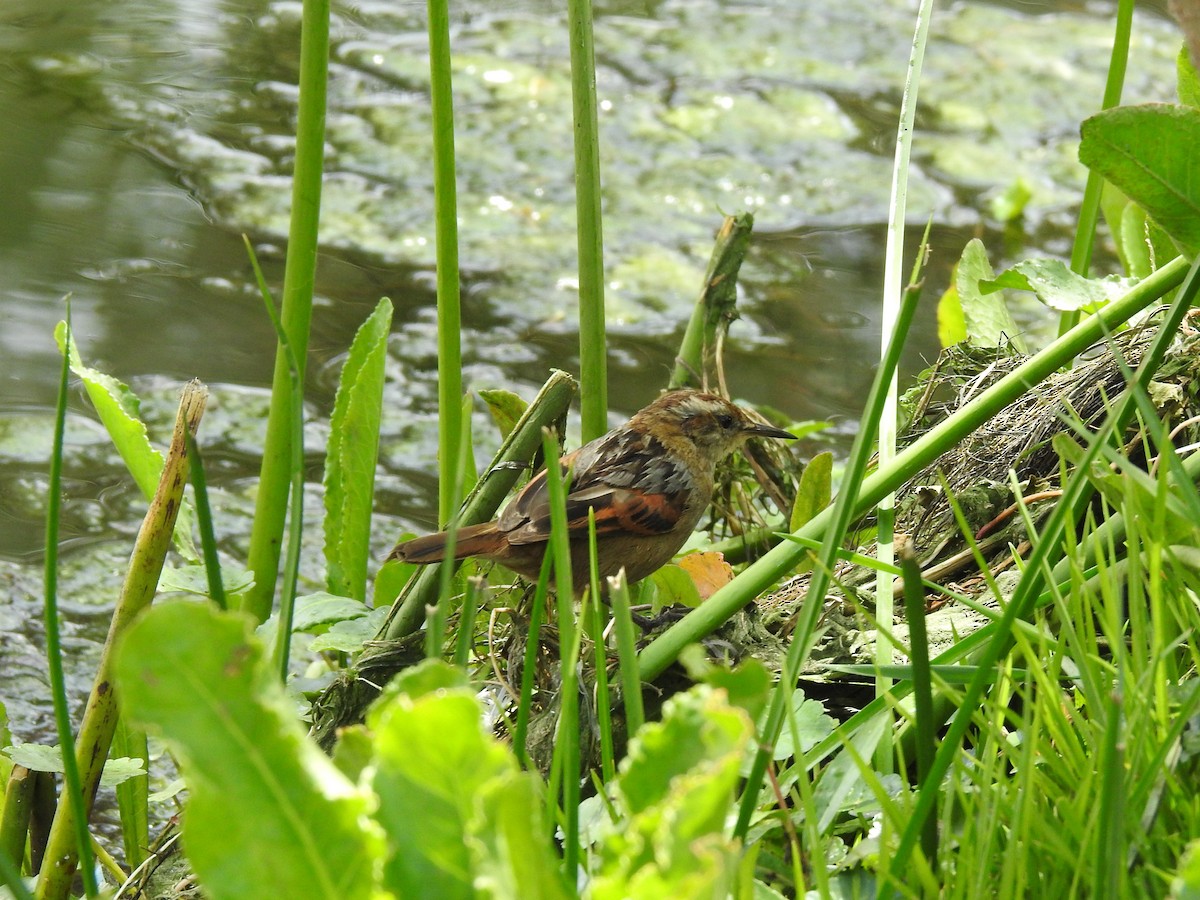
(815, 490)
(44, 758)
(506, 409)
(1132, 241)
(268, 814)
(314, 610)
(194, 579)
(747, 687)
(951, 325)
(509, 840)
(1149, 153)
(697, 728)
(315, 614)
(1058, 287)
(390, 579)
(807, 723)
(432, 676)
(675, 791)
(118, 409)
(803, 429)
(674, 586)
(1188, 85)
(988, 321)
(842, 787)
(432, 759)
(350, 459)
(349, 635)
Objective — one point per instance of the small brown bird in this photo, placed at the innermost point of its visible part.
(648, 481)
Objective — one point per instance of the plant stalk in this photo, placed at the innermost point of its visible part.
(266, 536)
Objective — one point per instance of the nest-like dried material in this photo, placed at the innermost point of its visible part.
(1017, 439)
(976, 473)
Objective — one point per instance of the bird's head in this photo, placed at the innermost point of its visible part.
(705, 424)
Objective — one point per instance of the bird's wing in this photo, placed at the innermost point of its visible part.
(634, 485)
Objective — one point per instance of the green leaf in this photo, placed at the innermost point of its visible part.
(1009, 205)
(508, 839)
(391, 578)
(268, 815)
(314, 614)
(349, 635)
(315, 610)
(675, 791)
(1058, 287)
(506, 409)
(118, 409)
(815, 490)
(951, 325)
(350, 459)
(674, 586)
(194, 579)
(432, 759)
(1188, 84)
(807, 724)
(1149, 153)
(747, 686)
(43, 758)
(987, 319)
(698, 728)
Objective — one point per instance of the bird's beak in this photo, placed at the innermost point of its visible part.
(760, 430)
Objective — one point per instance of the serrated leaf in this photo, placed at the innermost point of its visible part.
(351, 456)
(432, 759)
(698, 728)
(676, 790)
(268, 813)
(118, 408)
(747, 687)
(1058, 287)
(1148, 152)
(814, 491)
(508, 838)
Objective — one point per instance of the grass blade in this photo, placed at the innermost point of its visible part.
(208, 538)
(73, 787)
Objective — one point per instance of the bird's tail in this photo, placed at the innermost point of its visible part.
(473, 540)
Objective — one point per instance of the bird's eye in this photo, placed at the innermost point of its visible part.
(725, 420)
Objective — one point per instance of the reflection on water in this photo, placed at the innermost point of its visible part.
(142, 137)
